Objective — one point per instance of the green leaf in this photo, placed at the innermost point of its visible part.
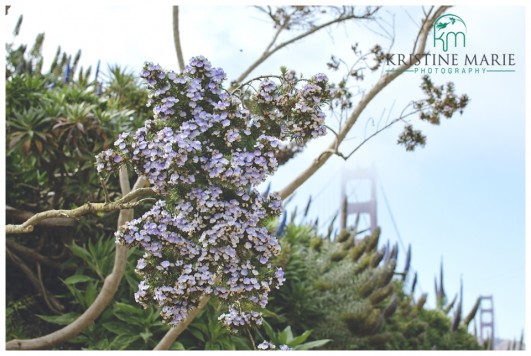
(80, 252)
(300, 339)
(211, 346)
(269, 330)
(197, 334)
(81, 339)
(130, 314)
(286, 335)
(146, 336)
(91, 293)
(131, 281)
(269, 314)
(77, 294)
(101, 344)
(63, 319)
(118, 328)
(241, 343)
(122, 341)
(312, 344)
(177, 346)
(201, 327)
(128, 309)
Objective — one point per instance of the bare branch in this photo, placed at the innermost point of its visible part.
(177, 38)
(270, 51)
(376, 89)
(50, 300)
(391, 123)
(53, 304)
(172, 334)
(275, 37)
(21, 215)
(110, 286)
(31, 254)
(125, 202)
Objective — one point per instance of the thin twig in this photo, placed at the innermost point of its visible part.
(52, 303)
(251, 337)
(105, 191)
(275, 37)
(270, 51)
(232, 90)
(402, 117)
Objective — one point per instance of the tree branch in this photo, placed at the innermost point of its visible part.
(368, 138)
(53, 304)
(110, 286)
(177, 38)
(125, 202)
(33, 255)
(275, 37)
(172, 334)
(270, 51)
(21, 215)
(376, 89)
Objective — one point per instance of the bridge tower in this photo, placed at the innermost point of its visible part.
(486, 320)
(350, 205)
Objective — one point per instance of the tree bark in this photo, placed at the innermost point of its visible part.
(172, 334)
(177, 38)
(125, 202)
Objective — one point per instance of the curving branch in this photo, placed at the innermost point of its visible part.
(18, 215)
(368, 138)
(53, 304)
(32, 255)
(375, 90)
(125, 202)
(110, 286)
(177, 38)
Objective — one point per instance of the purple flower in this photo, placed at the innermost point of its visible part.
(266, 345)
(141, 263)
(165, 264)
(204, 152)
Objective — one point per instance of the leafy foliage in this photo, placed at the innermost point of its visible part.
(286, 337)
(122, 326)
(353, 297)
(57, 120)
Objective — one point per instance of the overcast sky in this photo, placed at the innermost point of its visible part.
(461, 198)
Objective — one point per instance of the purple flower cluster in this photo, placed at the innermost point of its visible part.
(236, 319)
(203, 152)
(298, 111)
(205, 245)
(266, 345)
